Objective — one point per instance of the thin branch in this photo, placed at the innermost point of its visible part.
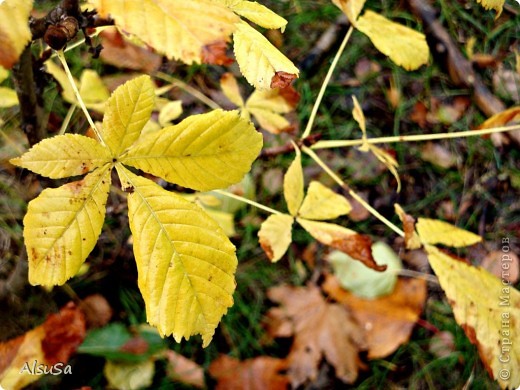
(248, 201)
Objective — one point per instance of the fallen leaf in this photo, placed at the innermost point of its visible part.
(253, 374)
(182, 369)
(348, 241)
(97, 310)
(215, 54)
(362, 281)
(419, 114)
(504, 265)
(488, 309)
(129, 376)
(438, 155)
(120, 52)
(387, 321)
(320, 330)
(504, 118)
(55, 341)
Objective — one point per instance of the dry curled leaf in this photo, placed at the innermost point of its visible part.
(320, 330)
(388, 321)
(253, 374)
(411, 239)
(282, 79)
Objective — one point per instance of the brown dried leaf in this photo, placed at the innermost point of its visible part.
(504, 118)
(282, 79)
(411, 238)
(388, 321)
(320, 330)
(356, 245)
(253, 374)
(184, 370)
(215, 54)
(97, 310)
(438, 155)
(52, 342)
(118, 51)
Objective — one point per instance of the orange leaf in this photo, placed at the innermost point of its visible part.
(184, 370)
(388, 321)
(215, 54)
(253, 374)
(282, 79)
(320, 329)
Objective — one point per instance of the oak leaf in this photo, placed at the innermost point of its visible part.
(320, 330)
(388, 321)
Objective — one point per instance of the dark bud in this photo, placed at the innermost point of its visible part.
(58, 35)
(95, 50)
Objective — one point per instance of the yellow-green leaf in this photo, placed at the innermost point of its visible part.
(185, 262)
(258, 14)
(177, 28)
(497, 5)
(229, 86)
(4, 74)
(488, 310)
(258, 59)
(127, 111)
(8, 97)
(203, 152)
(404, 46)
(92, 90)
(293, 184)
(351, 8)
(169, 112)
(323, 203)
(433, 231)
(62, 226)
(14, 30)
(275, 235)
(64, 156)
(270, 121)
(129, 376)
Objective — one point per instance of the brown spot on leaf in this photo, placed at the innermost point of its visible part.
(129, 189)
(282, 79)
(215, 54)
(359, 247)
(267, 248)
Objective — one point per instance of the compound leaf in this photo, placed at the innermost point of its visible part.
(203, 152)
(185, 262)
(404, 46)
(487, 309)
(14, 30)
(64, 156)
(177, 28)
(262, 64)
(433, 231)
(293, 184)
(276, 235)
(323, 203)
(127, 111)
(62, 226)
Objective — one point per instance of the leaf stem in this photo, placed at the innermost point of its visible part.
(188, 88)
(344, 185)
(61, 56)
(67, 119)
(325, 83)
(248, 201)
(411, 138)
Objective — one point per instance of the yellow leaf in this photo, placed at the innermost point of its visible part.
(258, 14)
(275, 235)
(4, 74)
(129, 376)
(229, 86)
(267, 105)
(348, 241)
(293, 184)
(14, 30)
(62, 226)
(92, 90)
(171, 111)
(127, 111)
(270, 121)
(177, 28)
(224, 219)
(359, 117)
(487, 309)
(433, 231)
(404, 46)
(351, 8)
(258, 59)
(203, 152)
(61, 77)
(323, 203)
(64, 156)
(185, 262)
(8, 97)
(497, 5)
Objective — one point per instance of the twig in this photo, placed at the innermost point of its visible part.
(289, 146)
